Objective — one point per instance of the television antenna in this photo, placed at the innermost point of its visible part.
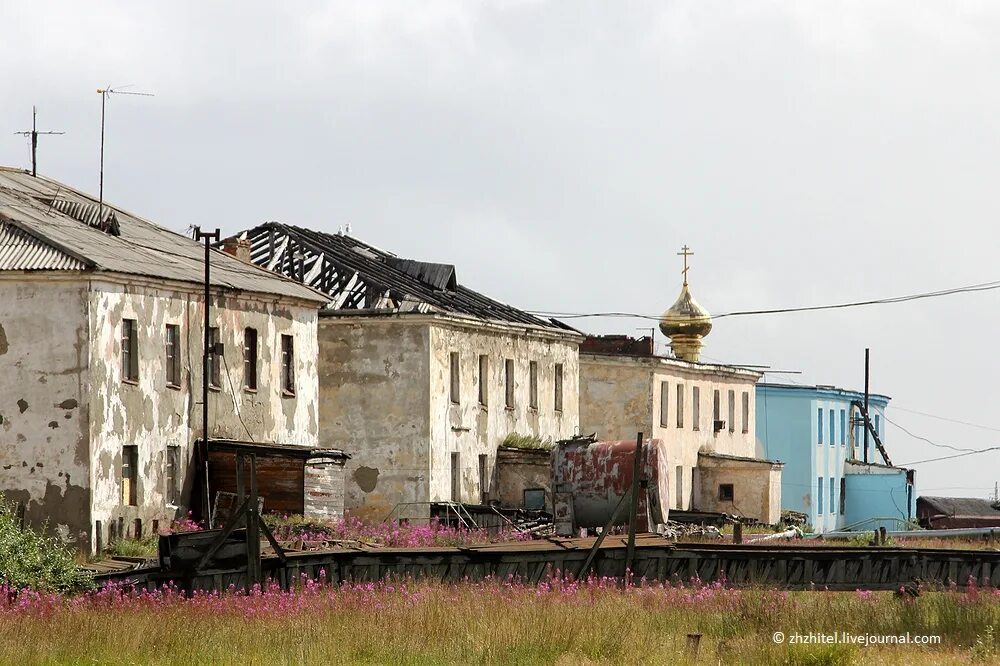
(105, 94)
(33, 134)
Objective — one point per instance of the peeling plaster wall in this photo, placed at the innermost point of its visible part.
(153, 416)
(374, 405)
(44, 413)
(471, 429)
(620, 396)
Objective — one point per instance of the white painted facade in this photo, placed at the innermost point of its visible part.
(68, 412)
(386, 399)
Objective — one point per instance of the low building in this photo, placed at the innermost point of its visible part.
(703, 412)
(524, 478)
(938, 513)
(421, 378)
(837, 471)
(101, 347)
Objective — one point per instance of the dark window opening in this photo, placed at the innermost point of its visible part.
(508, 373)
(173, 350)
(533, 384)
(130, 470)
(250, 359)
(130, 351)
(725, 492)
(288, 365)
(214, 358)
(173, 475)
(558, 387)
(453, 361)
(484, 379)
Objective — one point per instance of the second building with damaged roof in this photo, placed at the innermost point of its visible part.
(421, 378)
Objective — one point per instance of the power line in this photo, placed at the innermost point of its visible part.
(984, 286)
(957, 455)
(924, 439)
(945, 418)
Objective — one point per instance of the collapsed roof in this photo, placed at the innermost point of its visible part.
(360, 277)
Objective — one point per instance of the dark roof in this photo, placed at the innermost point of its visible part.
(269, 449)
(360, 278)
(45, 225)
(617, 345)
(746, 459)
(962, 506)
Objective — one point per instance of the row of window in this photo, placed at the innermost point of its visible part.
(172, 351)
(508, 378)
(130, 475)
(832, 507)
(830, 426)
(718, 423)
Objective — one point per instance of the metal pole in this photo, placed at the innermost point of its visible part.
(34, 141)
(634, 503)
(866, 403)
(100, 191)
(207, 237)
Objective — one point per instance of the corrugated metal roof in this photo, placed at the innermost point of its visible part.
(357, 276)
(141, 248)
(963, 506)
(19, 251)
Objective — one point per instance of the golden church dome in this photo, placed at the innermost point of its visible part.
(686, 322)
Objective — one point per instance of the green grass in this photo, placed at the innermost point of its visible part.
(490, 623)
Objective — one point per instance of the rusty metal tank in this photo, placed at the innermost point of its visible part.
(590, 478)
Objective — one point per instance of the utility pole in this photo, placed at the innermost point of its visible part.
(866, 402)
(33, 133)
(634, 504)
(208, 237)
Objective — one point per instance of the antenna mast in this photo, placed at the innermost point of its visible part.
(33, 133)
(105, 93)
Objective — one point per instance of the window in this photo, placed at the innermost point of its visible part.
(833, 490)
(455, 383)
(130, 468)
(173, 493)
(214, 369)
(508, 377)
(819, 430)
(484, 379)
(679, 492)
(833, 435)
(130, 351)
(819, 495)
(173, 350)
(696, 407)
(484, 479)
(843, 494)
(664, 403)
(725, 492)
(558, 383)
(680, 405)
(878, 426)
(843, 428)
(250, 359)
(732, 411)
(533, 384)
(456, 477)
(716, 411)
(746, 412)
(288, 365)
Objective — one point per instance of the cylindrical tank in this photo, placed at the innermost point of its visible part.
(598, 474)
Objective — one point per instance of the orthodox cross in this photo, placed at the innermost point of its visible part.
(685, 252)
(33, 134)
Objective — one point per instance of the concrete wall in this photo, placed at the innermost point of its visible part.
(153, 416)
(471, 429)
(44, 410)
(620, 395)
(756, 488)
(521, 469)
(374, 405)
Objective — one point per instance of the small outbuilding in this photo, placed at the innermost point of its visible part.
(937, 513)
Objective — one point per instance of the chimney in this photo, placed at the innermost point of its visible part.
(238, 247)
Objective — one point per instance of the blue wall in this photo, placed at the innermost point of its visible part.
(871, 496)
(789, 429)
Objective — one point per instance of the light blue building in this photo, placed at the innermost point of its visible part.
(819, 433)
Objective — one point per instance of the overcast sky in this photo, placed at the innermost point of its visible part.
(561, 153)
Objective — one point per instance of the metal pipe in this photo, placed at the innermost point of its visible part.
(916, 534)
(634, 502)
(866, 403)
(207, 237)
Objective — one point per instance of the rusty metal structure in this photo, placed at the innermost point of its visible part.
(591, 478)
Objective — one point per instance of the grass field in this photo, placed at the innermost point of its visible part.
(493, 622)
